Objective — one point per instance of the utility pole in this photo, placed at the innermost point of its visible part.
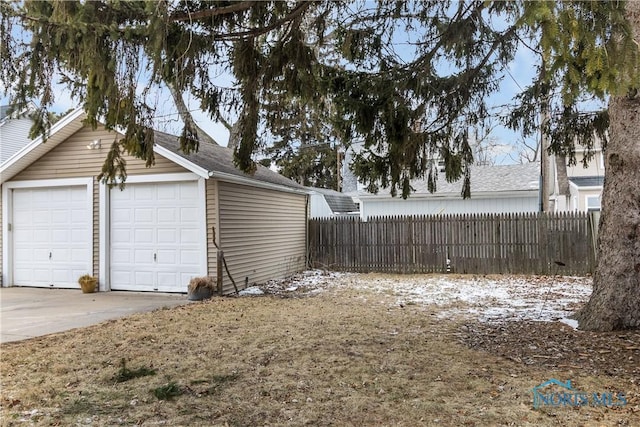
(544, 145)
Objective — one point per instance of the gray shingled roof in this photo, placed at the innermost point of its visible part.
(215, 158)
(338, 202)
(587, 181)
(498, 178)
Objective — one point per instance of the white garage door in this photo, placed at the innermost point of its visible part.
(51, 236)
(155, 236)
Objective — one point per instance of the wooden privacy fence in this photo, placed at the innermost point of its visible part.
(533, 243)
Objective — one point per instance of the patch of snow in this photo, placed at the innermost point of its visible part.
(571, 322)
(253, 290)
(488, 299)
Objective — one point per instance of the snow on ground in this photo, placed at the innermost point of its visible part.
(487, 298)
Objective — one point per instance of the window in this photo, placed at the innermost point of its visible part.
(593, 203)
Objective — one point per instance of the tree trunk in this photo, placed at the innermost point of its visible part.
(563, 180)
(186, 117)
(615, 301)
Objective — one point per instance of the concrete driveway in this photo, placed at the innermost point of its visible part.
(31, 312)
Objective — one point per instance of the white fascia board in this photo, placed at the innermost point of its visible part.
(222, 176)
(590, 188)
(179, 160)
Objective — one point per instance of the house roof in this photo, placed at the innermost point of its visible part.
(484, 179)
(218, 161)
(587, 181)
(338, 202)
(210, 161)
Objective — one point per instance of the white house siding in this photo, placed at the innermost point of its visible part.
(262, 233)
(424, 206)
(72, 159)
(14, 135)
(319, 208)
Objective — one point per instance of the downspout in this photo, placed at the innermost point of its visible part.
(307, 262)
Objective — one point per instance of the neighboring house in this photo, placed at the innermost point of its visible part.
(586, 183)
(494, 189)
(325, 203)
(59, 221)
(14, 130)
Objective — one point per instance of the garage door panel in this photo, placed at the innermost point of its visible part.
(188, 215)
(189, 257)
(160, 235)
(189, 236)
(167, 215)
(167, 235)
(143, 236)
(143, 215)
(78, 256)
(167, 257)
(61, 235)
(121, 277)
(144, 278)
(143, 192)
(143, 256)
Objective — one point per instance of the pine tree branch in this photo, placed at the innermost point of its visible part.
(295, 12)
(216, 11)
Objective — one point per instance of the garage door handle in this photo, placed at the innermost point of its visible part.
(155, 257)
(49, 255)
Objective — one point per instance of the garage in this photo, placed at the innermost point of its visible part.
(156, 236)
(51, 236)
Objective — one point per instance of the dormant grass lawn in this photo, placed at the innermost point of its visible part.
(342, 350)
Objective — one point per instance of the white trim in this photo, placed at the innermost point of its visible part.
(161, 177)
(227, 177)
(7, 216)
(202, 214)
(103, 237)
(105, 220)
(179, 160)
(5, 236)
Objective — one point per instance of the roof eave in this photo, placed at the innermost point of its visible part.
(228, 177)
(179, 160)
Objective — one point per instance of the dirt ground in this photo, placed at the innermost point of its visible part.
(326, 349)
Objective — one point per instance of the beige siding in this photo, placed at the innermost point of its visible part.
(262, 233)
(212, 222)
(72, 159)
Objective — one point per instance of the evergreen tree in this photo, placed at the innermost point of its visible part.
(406, 78)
